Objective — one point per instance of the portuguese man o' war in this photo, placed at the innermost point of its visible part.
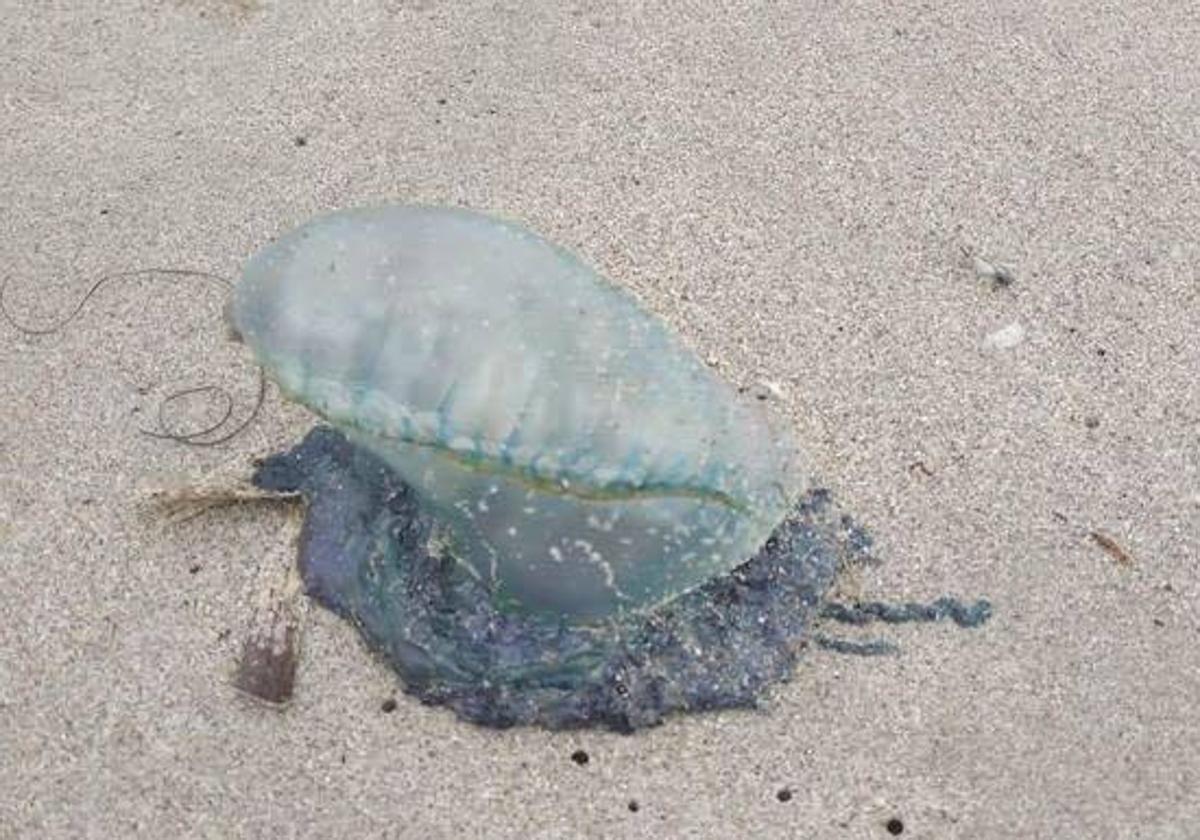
(583, 461)
(532, 500)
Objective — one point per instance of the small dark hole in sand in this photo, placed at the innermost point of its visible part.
(195, 569)
(784, 795)
(389, 705)
(894, 826)
(634, 806)
(580, 757)
(301, 141)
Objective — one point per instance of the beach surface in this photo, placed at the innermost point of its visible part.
(955, 243)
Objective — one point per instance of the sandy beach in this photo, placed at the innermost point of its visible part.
(956, 242)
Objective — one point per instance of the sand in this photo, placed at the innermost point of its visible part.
(803, 191)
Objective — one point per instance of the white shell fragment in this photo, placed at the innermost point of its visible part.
(582, 459)
(1005, 338)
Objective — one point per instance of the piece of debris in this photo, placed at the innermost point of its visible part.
(267, 668)
(919, 466)
(772, 389)
(179, 501)
(1005, 338)
(1112, 547)
(1000, 276)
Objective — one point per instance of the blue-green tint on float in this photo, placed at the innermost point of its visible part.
(582, 461)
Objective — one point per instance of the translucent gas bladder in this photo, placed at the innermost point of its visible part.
(582, 460)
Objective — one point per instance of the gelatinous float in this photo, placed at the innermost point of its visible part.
(533, 500)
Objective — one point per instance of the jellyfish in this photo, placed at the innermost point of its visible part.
(535, 502)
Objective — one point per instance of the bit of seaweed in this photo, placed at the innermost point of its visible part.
(365, 553)
(192, 438)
